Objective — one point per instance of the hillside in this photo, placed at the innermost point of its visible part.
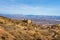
(12, 29)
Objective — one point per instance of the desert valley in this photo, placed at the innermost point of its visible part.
(27, 29)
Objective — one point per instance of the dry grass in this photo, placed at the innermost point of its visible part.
(19, 30)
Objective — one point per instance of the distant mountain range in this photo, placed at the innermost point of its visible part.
(36, 18)
(30, 16)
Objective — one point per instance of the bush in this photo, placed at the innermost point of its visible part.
(1, 22)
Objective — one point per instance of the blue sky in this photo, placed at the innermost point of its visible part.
(32, 7)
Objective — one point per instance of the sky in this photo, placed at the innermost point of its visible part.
(30, 7)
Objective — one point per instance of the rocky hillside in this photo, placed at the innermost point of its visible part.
(11, 29)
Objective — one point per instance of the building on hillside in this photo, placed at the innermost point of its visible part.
(27, 21)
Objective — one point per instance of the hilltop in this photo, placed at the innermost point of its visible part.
(13, 29)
